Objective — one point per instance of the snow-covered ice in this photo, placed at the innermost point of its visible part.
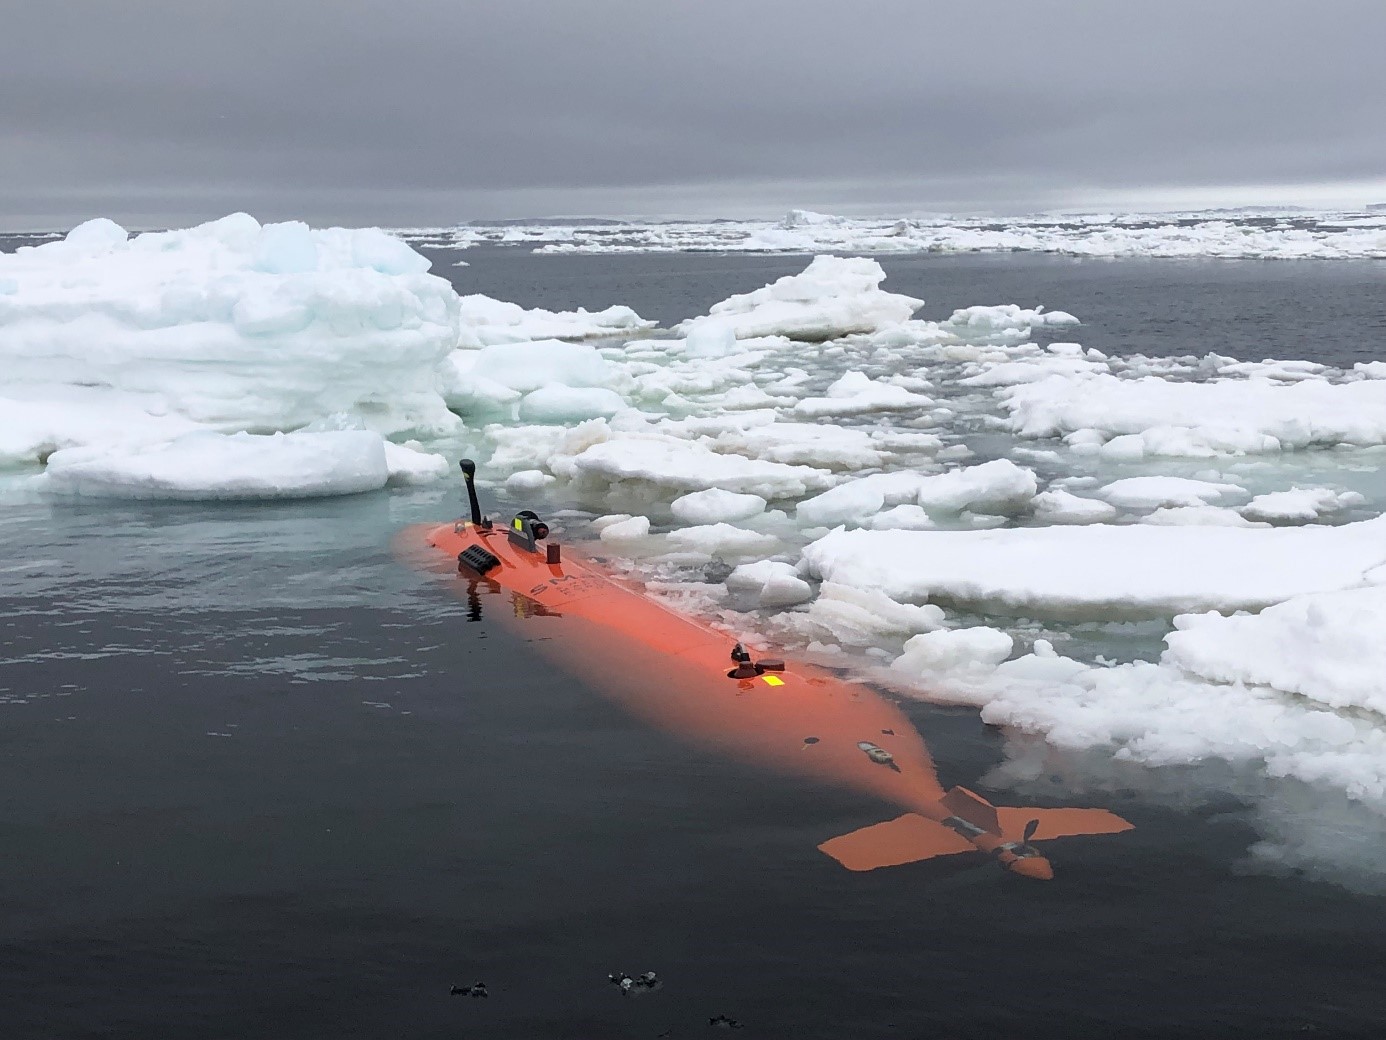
(1103, 570)
(1294, 236)
(208, 466)
(832, 297)
(231, 324)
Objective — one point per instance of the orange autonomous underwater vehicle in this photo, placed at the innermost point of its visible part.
(696, 682)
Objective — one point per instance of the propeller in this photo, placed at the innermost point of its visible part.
(1024, 848)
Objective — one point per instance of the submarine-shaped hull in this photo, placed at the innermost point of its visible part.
(688, 678)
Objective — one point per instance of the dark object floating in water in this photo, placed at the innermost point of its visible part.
(479, 990)
(723, 1022)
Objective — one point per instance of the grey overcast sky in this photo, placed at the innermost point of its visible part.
(424, 111)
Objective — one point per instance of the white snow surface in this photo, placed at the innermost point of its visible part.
(1102, 570)
(209, 466)
(1327, 647)
(1223, 416)
(231, 324)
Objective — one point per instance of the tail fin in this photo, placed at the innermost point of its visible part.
(903, 840)
(910, 838)
(1059, 823)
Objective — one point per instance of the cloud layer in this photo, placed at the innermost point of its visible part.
(431, 111)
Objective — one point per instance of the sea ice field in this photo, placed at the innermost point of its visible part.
(1116, 536)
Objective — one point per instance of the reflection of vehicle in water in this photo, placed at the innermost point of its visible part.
(678, 675)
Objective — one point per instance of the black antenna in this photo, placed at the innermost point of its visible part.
(469, 475)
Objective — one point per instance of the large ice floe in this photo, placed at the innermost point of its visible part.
(159, 365)
(1160, 561)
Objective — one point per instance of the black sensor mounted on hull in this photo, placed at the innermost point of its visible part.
(477, 558)
(527, 530)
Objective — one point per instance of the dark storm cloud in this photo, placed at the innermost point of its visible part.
(424, 111)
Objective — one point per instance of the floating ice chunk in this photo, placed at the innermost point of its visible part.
(525, 367)
(208, 466)
(1215, 516)
(861, 617)
(773, 583)
(1032, 370)
(1061, 507)
(721, 540)
(601, 523)
(1287, 371)
(784, 590)
(812, 444)
(973, 650)
(832, 297)
(999, 487)
(710, 340)
(750, 577)
(683, 465)
(1329, 647)
(625, 529)
(1300, 504)
(1134, 571)
(1371, 369)
(486, 321)
(1003, 324)
(528, 480)
(409, 464)
(855, 393)
(1154, 492)
(852, 502)
(1226, 416)
(905, 517)
(715, 505)
(570, 404)
(96, 236)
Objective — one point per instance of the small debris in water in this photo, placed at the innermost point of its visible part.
(647, 982)
(479, 990)
(723, 1022)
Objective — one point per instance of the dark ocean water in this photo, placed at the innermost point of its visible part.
(1334, 312)
(258, 779)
